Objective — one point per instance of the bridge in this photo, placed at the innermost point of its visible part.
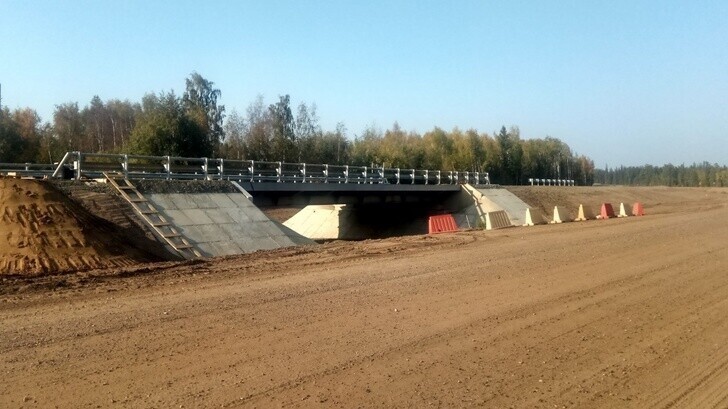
(93, 165)
(335, 201)
(269, 183)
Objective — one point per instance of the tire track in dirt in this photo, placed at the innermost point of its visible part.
(700, 379)
(642, 281)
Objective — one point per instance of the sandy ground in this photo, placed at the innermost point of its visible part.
(615, 313)
(42, 232)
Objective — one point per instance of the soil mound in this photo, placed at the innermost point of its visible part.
(46, 233)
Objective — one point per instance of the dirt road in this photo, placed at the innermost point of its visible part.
(616, 313)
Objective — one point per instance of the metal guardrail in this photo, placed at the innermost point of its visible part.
(27, 169)
(551, 182)
(93, 165)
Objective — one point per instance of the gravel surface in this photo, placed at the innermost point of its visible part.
(70, 186)
(184, 186)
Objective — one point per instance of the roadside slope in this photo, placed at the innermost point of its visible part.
(657, 200)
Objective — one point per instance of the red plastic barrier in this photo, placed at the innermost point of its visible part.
(607, 211)
(442, 223)
(638, 210)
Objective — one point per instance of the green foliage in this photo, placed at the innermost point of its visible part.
(200, 103)
(703, 174)
(234, 129)
(69, 128)
(11, 144)
(283, 137)
(511, 151)
(164, 127)
(23, 136)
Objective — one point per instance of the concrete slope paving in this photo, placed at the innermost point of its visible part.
(494, 199)
(221, 224)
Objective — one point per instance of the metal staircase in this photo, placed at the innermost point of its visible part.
(162, 228)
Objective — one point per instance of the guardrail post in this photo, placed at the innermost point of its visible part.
(279, 171)
(125, 166)
(365, 174)
(413, 177)
(252, 171)
(204, 167)
(427, 177)
(78, 165)
(398, 174)
(346, 174)
(168, 167)
(221, 168)
(326, 173)
(303, 173)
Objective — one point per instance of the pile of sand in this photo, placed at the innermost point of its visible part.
(46, 233)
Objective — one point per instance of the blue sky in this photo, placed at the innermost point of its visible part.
(623, 82)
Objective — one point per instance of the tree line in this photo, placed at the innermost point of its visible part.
(195, 124)
(698, 174)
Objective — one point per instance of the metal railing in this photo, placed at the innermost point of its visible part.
(80, 165)
(551, 182)
(27, 169)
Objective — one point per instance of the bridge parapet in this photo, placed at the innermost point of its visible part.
(93, 165)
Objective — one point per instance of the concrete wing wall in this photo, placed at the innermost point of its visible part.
(318, 222)
(220, 224)
(495, 199)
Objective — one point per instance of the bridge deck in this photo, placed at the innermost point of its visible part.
(252, 188)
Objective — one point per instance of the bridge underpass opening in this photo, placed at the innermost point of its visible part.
(366, 220)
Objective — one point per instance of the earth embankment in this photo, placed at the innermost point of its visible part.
(45, 232)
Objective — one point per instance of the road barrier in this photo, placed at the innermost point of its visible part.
(80, 165)
(561, 215)
(585, 213)
(622, 211)
(534, 217)
(637, 209)
(606, 212)
(497, 220)
(552, 182)
(442, 224)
